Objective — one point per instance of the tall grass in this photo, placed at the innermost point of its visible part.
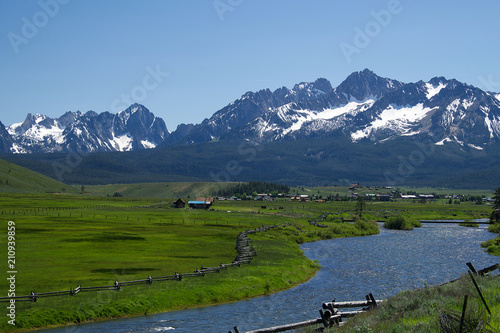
(421, 310)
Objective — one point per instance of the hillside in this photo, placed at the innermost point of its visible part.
(17, 179)
(158, 190)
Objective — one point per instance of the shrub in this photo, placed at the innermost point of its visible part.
(398, 223)
(414, 222)
(494, 228)
(366, 227)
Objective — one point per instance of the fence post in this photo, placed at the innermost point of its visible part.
(480, 293)
(463, 314)
(471, 267)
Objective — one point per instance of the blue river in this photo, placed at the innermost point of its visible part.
(384, 265)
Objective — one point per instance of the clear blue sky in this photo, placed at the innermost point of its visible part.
(61, 55)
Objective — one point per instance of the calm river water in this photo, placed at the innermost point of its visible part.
(352, 267)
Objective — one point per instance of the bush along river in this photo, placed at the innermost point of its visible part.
(384, 265)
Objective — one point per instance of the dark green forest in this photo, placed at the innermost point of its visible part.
(311, 162)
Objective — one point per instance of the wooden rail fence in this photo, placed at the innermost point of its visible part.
(245, 254)
(329, 315)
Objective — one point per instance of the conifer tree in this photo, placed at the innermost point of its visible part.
(495, 215)
(360, 206)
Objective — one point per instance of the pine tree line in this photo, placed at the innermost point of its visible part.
(253, 187)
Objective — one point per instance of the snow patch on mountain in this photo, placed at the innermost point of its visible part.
(147, 144)
(298, 118)
(122, 142)
(40, 133)
(447, 139)
(20, 128)
(433, 90)
(442, 142)
(475, 147)
(18, 149)
(36, 129)
(396, 118)
(349, 108)
(14, 129)
(453, 106)
(466, 103)
(493, 125)
(301, 117)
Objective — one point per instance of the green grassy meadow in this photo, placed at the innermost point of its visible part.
(92, 239)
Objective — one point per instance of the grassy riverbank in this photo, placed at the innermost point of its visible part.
(493, 245)
(424, 310)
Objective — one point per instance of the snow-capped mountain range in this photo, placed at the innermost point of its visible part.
(364, 107)
(132, 129)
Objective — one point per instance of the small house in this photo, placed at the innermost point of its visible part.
(201, 203)
(409, 196)
(179, 203)
(384, 197)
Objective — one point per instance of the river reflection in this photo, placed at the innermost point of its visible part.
(352, 267)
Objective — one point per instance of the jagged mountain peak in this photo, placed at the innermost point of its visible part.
(134, 108)
(437, 80)
(366, 84)
(320, 85)
(323, 84)
(32, 119)
(68, 118)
